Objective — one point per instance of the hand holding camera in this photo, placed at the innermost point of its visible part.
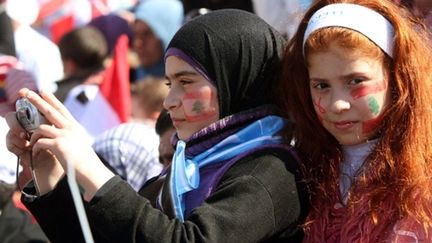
(28, 115)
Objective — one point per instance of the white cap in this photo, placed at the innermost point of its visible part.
(23, 11)
(7, 159)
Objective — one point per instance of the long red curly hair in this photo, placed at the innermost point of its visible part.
(398, 178)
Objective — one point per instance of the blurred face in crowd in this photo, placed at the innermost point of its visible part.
(166, 150)
(192, 99)
(425, 5)
(423, 8)
(349, 91)
(146, 44)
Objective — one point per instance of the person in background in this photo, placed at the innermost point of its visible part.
(112, 26)
(166, 131)
(357, 82)
(115, 85)
(7, 41)
(16, 225)
(131, 149)
(193, 5)
(83, 51)
(38, 54)
(283, 15)
(147, 99)
(12, 77)
(421, 9)
(233, 177)
(156, 22)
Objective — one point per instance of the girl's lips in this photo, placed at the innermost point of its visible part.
(176, 121)
(343, 125)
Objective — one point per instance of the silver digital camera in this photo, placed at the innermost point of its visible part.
(28, 115)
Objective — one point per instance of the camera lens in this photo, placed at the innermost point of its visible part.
(28, 114)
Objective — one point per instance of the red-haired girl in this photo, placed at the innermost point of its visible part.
(356, 80)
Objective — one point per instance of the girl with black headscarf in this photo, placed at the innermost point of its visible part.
(233, 177)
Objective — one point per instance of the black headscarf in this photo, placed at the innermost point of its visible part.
(239, 52)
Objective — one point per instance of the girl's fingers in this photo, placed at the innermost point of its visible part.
(50, 113)
(54, 102)
(15, 144)
(42, 146)
(16, 150)
(44, 130)
(13, 123)
(25, 159)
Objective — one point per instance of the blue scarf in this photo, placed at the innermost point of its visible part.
(185, 171)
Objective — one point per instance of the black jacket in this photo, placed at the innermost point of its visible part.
(258, 200)
(16, 226)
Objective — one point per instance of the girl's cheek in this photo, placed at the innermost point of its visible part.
(368, 90)
(198, 106)
(319, 109)
(371, 125)
(374, 108)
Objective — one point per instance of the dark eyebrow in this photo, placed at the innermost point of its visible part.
(182, 73)
(342, 77)
(352, 75)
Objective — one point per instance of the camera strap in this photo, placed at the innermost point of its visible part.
(33, 174)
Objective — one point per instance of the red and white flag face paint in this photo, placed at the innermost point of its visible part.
(198, 105)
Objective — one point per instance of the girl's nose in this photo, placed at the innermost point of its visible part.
(340, 105)
(172, 100)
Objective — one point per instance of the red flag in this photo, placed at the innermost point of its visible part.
(115, 86)
(61, 27)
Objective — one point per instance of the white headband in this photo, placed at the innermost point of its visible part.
(352, 16)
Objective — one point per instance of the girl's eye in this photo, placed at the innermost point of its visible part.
(168, 84)
(185, 81)
(320, 86)
(355, 81)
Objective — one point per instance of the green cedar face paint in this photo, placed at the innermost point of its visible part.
(197, 107)
(373, 105)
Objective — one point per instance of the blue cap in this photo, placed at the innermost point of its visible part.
(164, 17)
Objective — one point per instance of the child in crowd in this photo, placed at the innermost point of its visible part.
(233, 177)
(357, 82)
(165, 130)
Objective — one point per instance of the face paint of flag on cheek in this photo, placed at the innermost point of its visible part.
(368, 90)
(320, 111)
(371, 125)
(197, 105)
(372, 103)
(375, 109)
